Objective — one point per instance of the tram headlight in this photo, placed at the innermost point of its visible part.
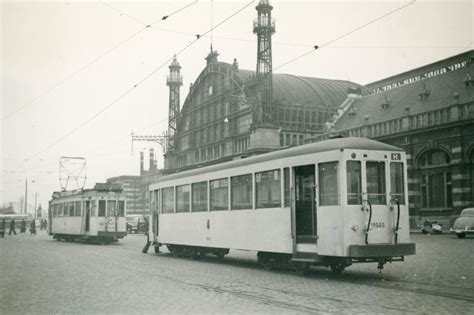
(355, 228)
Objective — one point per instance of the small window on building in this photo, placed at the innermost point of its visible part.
(219, 194)
(182, 198)
(397, 182)
(101, 208)
(268, 191)
(210, 90)
(354, 183)
(328, 184)
(168, 200)
(199, 191)
(376, 182)
(241, 192)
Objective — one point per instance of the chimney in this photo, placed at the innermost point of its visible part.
(152, 158)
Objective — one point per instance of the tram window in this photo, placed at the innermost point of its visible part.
(396, 182)
(286, 178)
(241, 192)
(182, 198)
(219, 194)
(354, 183)
(199, 191)
(328, 184)
(60, 210)
(268, 189)
(93, 207)
(71, 209)
(168, 200)
(78, 209)
(111, 209)
(101, 208)
(121, 208)
(376, 182)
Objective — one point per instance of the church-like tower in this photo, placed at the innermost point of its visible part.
(264, 27)
(174, 81)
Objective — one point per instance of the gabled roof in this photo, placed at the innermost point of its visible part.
(441, 83)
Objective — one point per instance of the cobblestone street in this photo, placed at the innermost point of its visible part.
(41, 275)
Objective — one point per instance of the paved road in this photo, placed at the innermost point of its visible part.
(40, 275)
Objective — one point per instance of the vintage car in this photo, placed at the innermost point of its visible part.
(464, 224)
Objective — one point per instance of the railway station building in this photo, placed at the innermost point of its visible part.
(230, 113)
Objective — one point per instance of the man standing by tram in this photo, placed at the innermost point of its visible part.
(12, 227)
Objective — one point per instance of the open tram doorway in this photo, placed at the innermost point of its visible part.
(88, 216)
(305, 204)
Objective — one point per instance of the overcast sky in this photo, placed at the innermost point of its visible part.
(68, 69)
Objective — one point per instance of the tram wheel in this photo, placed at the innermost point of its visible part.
(461, 235)
(337, 268)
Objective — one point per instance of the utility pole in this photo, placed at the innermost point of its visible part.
(26, 195)
(36, 199)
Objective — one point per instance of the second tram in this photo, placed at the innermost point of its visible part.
(331, 203)
(96, 214)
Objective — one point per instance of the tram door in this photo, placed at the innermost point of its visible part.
(88, 216)
(305, 205)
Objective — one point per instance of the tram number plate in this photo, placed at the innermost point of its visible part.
(377, 225)
(396, 156)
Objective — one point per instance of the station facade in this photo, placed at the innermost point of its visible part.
(231, 113)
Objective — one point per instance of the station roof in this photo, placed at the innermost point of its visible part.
(299, 90)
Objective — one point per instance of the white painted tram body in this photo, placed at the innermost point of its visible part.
(331, 203)
(91, 214)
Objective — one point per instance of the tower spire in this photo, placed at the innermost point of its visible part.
(264, 28)
(174, 81)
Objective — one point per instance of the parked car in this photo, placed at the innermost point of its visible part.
(464, 224)
(136, 223)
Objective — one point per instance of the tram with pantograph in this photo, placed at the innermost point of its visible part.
(331, 203)
(95, 215)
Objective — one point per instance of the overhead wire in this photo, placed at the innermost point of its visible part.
(94, 60)
(101, 111)
(316, 47)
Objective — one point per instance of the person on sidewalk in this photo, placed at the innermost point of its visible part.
(33, 227)
(22, 226)
(2, 228)
(12, 227)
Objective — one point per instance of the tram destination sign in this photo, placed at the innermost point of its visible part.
(396, 156)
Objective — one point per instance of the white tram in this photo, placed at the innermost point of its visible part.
(96, 214)
(331, 203)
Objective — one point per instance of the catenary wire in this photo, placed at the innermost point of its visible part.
(316, 47)
(94, 60)
(75, 129)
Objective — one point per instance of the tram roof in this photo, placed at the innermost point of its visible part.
(323, 146)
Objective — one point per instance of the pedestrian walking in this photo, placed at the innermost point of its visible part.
(22, 226)
(33, 227)
(2, 228)
(12, 227)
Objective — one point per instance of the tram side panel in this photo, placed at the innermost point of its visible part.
(260, 229)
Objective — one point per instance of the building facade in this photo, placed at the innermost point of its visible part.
(231, 113)
(429, 112)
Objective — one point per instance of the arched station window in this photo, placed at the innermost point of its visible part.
(436, 187)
